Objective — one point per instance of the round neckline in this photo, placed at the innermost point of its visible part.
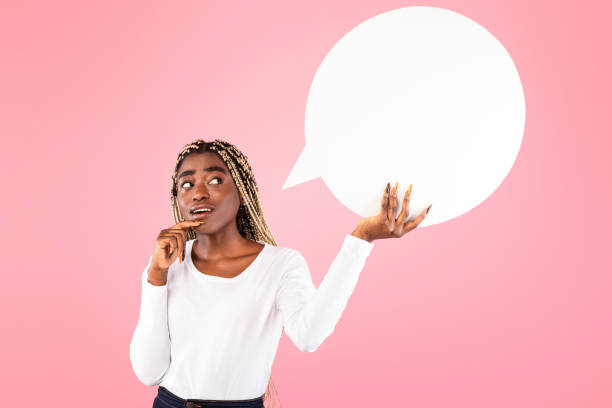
(213, 278)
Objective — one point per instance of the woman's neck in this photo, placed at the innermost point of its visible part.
(211, 247)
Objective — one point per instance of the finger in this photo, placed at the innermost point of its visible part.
(168, 243)
(410, 225)
(404, 214)
(184, 227)
(183, 243)
(180, 240)
(387, 194)
(392, 205)
(383, 202)
(395, 200)
(187, 224)
(173, 240)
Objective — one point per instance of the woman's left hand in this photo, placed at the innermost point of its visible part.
(384, 224)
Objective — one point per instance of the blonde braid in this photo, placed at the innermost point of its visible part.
(250, 218)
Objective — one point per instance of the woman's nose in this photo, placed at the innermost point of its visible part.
(200, 192)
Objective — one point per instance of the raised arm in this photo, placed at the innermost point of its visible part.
(150, 346)
(309, 314)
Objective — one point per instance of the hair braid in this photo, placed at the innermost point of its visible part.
(250, 218)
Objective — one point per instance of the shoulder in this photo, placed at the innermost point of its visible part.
(284, 256)
(283, 251)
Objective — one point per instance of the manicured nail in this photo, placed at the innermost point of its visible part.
(410, 189)
(428, 208)
(388, 187)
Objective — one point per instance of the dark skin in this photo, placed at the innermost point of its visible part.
(385, 224)
(219, 249)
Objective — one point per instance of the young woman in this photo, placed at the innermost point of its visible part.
(218, 292)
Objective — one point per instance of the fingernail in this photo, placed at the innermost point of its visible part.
(388, 187)
(410, 189)
(428, 208)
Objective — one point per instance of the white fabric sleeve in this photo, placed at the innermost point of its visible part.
(310, 315)
(150, 346)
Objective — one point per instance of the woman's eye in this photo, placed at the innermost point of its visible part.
(214, 178)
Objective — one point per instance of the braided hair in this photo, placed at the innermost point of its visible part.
(250, 217)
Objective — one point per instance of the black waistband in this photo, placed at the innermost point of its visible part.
(164, 393)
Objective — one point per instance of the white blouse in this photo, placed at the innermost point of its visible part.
(208, 337)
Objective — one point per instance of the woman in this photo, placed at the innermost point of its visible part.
(217, 291)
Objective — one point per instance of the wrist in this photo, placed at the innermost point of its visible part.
(154, 283)
(361, 235)
(157, 276)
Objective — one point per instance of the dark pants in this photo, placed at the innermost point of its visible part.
(166, 399)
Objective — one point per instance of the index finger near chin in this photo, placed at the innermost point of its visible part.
(186, 224)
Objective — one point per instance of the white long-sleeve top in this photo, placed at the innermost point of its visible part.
(208, 337)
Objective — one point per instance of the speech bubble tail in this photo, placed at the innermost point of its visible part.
(304, 169)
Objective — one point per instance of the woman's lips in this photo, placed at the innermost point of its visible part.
(202, 215)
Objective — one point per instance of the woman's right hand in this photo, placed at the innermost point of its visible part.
(169, 245)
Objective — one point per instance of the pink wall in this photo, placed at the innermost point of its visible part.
(507, 306)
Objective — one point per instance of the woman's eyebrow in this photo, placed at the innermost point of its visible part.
(211, 168)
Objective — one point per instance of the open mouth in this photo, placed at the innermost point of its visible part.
(202, 213)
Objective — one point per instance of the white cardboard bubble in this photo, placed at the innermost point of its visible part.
(419, 95)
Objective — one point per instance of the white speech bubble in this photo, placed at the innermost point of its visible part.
(418, 95)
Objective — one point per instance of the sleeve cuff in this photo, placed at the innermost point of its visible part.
(148, 286)
(357, 246)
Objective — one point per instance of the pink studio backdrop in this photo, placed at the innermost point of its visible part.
(506, 306)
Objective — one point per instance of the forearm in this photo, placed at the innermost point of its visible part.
(320, 313)
(150, 345)
(150, 354)
(357, 232)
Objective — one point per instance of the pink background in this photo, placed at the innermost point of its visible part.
(506, 306)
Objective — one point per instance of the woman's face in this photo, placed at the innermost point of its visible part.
(204, 179)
